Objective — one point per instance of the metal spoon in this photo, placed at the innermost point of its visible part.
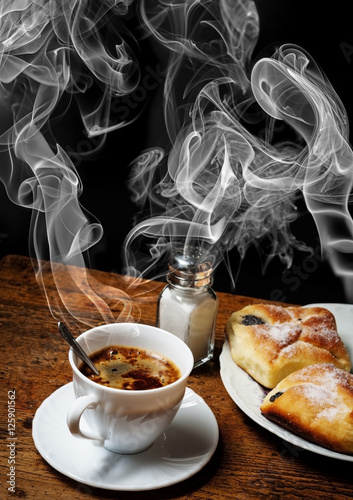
(70, 339)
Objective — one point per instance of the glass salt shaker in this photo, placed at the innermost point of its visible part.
(187, 306)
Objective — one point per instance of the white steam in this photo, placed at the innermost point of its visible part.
(226, 184)
(226, 180)
(48, 49)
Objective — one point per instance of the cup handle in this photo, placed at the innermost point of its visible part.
(74, 416)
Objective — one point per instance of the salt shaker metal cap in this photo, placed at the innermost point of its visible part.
(190, 267)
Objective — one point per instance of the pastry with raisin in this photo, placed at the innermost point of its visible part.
(315, 403)
(269, 342)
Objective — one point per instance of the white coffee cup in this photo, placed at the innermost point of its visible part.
(127, 421)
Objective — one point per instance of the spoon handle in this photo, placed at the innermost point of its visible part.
(67, 336)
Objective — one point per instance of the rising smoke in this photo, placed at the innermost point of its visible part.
(50, 50)
(225, 180)
(226, 183)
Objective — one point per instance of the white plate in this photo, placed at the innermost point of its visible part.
(248, 394)
(183, 449)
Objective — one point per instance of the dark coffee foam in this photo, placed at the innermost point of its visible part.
(131, 368)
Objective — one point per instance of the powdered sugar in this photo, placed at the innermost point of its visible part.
(320, 390)
(327, 333)
(318, 396)
(281, 333)
(329, 413)
(299, 327)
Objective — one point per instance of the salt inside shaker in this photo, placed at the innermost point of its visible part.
(187, 306)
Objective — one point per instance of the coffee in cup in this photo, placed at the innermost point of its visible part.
(131, 368)
(127, 421)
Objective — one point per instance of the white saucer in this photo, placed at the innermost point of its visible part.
(183, 449)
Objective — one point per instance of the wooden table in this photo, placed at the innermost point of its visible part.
(249, 462)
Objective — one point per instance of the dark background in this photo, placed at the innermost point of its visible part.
(324, 32)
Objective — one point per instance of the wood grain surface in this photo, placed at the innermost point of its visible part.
(249, 463)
